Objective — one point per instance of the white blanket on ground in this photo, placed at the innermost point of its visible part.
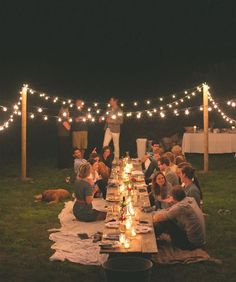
(68, 246)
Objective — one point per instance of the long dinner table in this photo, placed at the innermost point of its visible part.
(128, 226)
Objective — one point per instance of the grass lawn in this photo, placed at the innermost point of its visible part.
(25, 247)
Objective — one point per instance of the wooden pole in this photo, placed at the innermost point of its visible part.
(205, 122)
(23, 131)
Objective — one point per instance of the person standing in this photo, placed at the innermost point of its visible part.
(79, 127)
(64, 141)
(112, 127)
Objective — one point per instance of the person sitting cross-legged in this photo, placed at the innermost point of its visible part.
(183, 221)
(84, 192)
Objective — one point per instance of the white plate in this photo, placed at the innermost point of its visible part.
(142, 229)
(112, 224)
(112, 199)
(110, 244)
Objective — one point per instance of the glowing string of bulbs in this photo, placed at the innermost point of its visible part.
(216, 107)
(69, 102)
(10, 119)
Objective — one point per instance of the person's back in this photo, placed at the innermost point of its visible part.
(191, 190)
(189, 216)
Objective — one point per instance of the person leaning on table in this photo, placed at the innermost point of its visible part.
(84, 192)
(183, 221)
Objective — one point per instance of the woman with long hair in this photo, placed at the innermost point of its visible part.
(160, 190)
(190, 183)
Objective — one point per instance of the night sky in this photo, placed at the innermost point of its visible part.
(96, 49)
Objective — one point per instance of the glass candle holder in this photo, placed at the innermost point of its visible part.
(127, 243)
(133, 232)
(122, 238)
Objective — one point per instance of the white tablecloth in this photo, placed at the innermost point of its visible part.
(219, 143)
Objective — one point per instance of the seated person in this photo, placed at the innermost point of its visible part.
(179, 171)
(155, 146)
(84, 192)
(171, 158)
(190, 183)
(107, 157)
(160, 190)
(177, 150)
(180, 159)
(150, 165)
(78, 160)
(103, 170)
(183, 221)
(164, 166)
(97, 178)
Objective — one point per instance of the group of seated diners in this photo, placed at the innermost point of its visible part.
(173, 187)
(175, 194)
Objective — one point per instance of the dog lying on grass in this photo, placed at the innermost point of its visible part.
(53, 196)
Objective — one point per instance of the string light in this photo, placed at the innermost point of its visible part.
(163, 108)
(217, 108)
(231, 103)
(162, 114)
(136, 103)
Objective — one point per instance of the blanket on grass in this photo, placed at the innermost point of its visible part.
(167, 254)
(68, 246)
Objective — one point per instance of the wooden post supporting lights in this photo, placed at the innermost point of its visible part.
(23, 130)
(205, 122)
